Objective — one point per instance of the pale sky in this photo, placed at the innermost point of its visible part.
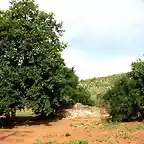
(104, 36)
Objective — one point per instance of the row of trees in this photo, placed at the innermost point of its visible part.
(126, 98)
(32, 72)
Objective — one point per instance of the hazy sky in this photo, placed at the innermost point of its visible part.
(104, 36)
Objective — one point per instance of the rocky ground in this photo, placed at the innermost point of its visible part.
(80, 110)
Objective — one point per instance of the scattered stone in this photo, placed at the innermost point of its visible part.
(67, 134)
(82, 113)
(80, 110)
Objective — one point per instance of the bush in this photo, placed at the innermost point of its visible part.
(123, 99)
(126, 98)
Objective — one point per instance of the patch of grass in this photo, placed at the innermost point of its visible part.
(102, 140)
(72, 142)
(25, 113)
(77, 125)
(39, 142)
(110, 125)
(109, 142)
(135, 128)
(80, 142)
(106, 140)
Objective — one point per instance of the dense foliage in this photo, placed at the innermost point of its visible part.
(32, 71)
(126, 98)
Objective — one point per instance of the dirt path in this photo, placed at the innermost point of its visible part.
(90, 129)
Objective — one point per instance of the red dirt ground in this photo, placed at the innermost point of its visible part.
(64, 130)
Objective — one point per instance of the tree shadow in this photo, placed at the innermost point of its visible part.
(35, 120)
(28, 121)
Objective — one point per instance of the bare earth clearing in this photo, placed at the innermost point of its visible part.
(77, 128)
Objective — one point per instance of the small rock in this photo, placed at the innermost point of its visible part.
(67, 134)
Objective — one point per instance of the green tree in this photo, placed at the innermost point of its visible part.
(138, 75)
(126, 98)
(121, 99)
(32, 72)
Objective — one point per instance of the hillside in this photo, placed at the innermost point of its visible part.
(99, 85)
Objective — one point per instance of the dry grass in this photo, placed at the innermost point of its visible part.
(24, 113)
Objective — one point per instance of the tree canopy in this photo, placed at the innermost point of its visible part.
(126, 98)
(32, 72)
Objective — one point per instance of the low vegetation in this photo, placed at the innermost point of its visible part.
(73, 142)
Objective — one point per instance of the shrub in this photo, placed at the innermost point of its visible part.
(126, 98)
(123, 99)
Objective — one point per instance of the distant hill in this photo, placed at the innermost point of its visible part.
(99, 85)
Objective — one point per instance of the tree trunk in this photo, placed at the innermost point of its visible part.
(13, 113)
(142, 114)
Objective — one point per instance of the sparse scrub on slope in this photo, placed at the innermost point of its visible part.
(99, 86)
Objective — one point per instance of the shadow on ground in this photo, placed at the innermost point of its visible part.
(35, 120)
(28, 121)
(38, 120)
